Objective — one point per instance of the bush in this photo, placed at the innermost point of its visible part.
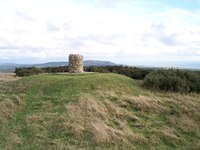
(22, 72)
(132, 72)
(95, 69)
(27, 71)
(55, 69)
(173, 80)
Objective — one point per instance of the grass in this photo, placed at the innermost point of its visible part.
(95, 111)
(6, 77)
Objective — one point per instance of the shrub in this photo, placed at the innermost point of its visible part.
(27, 71)
(132, 72)
(55, 69)
(173, 80)
(95, 69)
(32, 70)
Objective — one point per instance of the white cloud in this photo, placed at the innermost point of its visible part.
(53, 29)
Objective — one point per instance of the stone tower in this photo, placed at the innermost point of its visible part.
(75, 63)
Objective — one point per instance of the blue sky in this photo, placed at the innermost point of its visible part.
(122, 31)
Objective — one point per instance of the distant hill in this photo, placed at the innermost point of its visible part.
(10, 67)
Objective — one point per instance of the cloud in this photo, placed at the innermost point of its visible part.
(23, 15)
(66, 26)
(51, 26)
(159, 33)
(63, 27)
(106, 3)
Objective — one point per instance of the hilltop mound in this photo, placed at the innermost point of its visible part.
(95, 111)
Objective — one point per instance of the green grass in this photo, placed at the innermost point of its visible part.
(95, 111)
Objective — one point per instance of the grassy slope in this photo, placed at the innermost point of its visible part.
(104, 111)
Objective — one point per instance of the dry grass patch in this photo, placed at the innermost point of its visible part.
(147, 103)
(104, 133)
(77, 116)
(12, 139)
(58, 144)
(7, 110)
(170, 134)
(185, 123)
(94, 117)
(33, 118)
(120, 113)
(143, 103)
(7, 77)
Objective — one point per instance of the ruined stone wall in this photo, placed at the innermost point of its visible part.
(75, 63)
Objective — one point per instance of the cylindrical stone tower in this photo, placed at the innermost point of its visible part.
(75, 63)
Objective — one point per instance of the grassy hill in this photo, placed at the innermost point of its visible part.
(95, 111)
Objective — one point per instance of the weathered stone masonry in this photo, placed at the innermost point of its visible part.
(75, 63)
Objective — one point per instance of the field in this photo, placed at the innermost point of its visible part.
(7, 77)
(95, 111)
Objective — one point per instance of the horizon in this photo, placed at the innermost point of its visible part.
(153, 64)
(124, 32)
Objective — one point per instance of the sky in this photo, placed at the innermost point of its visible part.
(121, 31)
